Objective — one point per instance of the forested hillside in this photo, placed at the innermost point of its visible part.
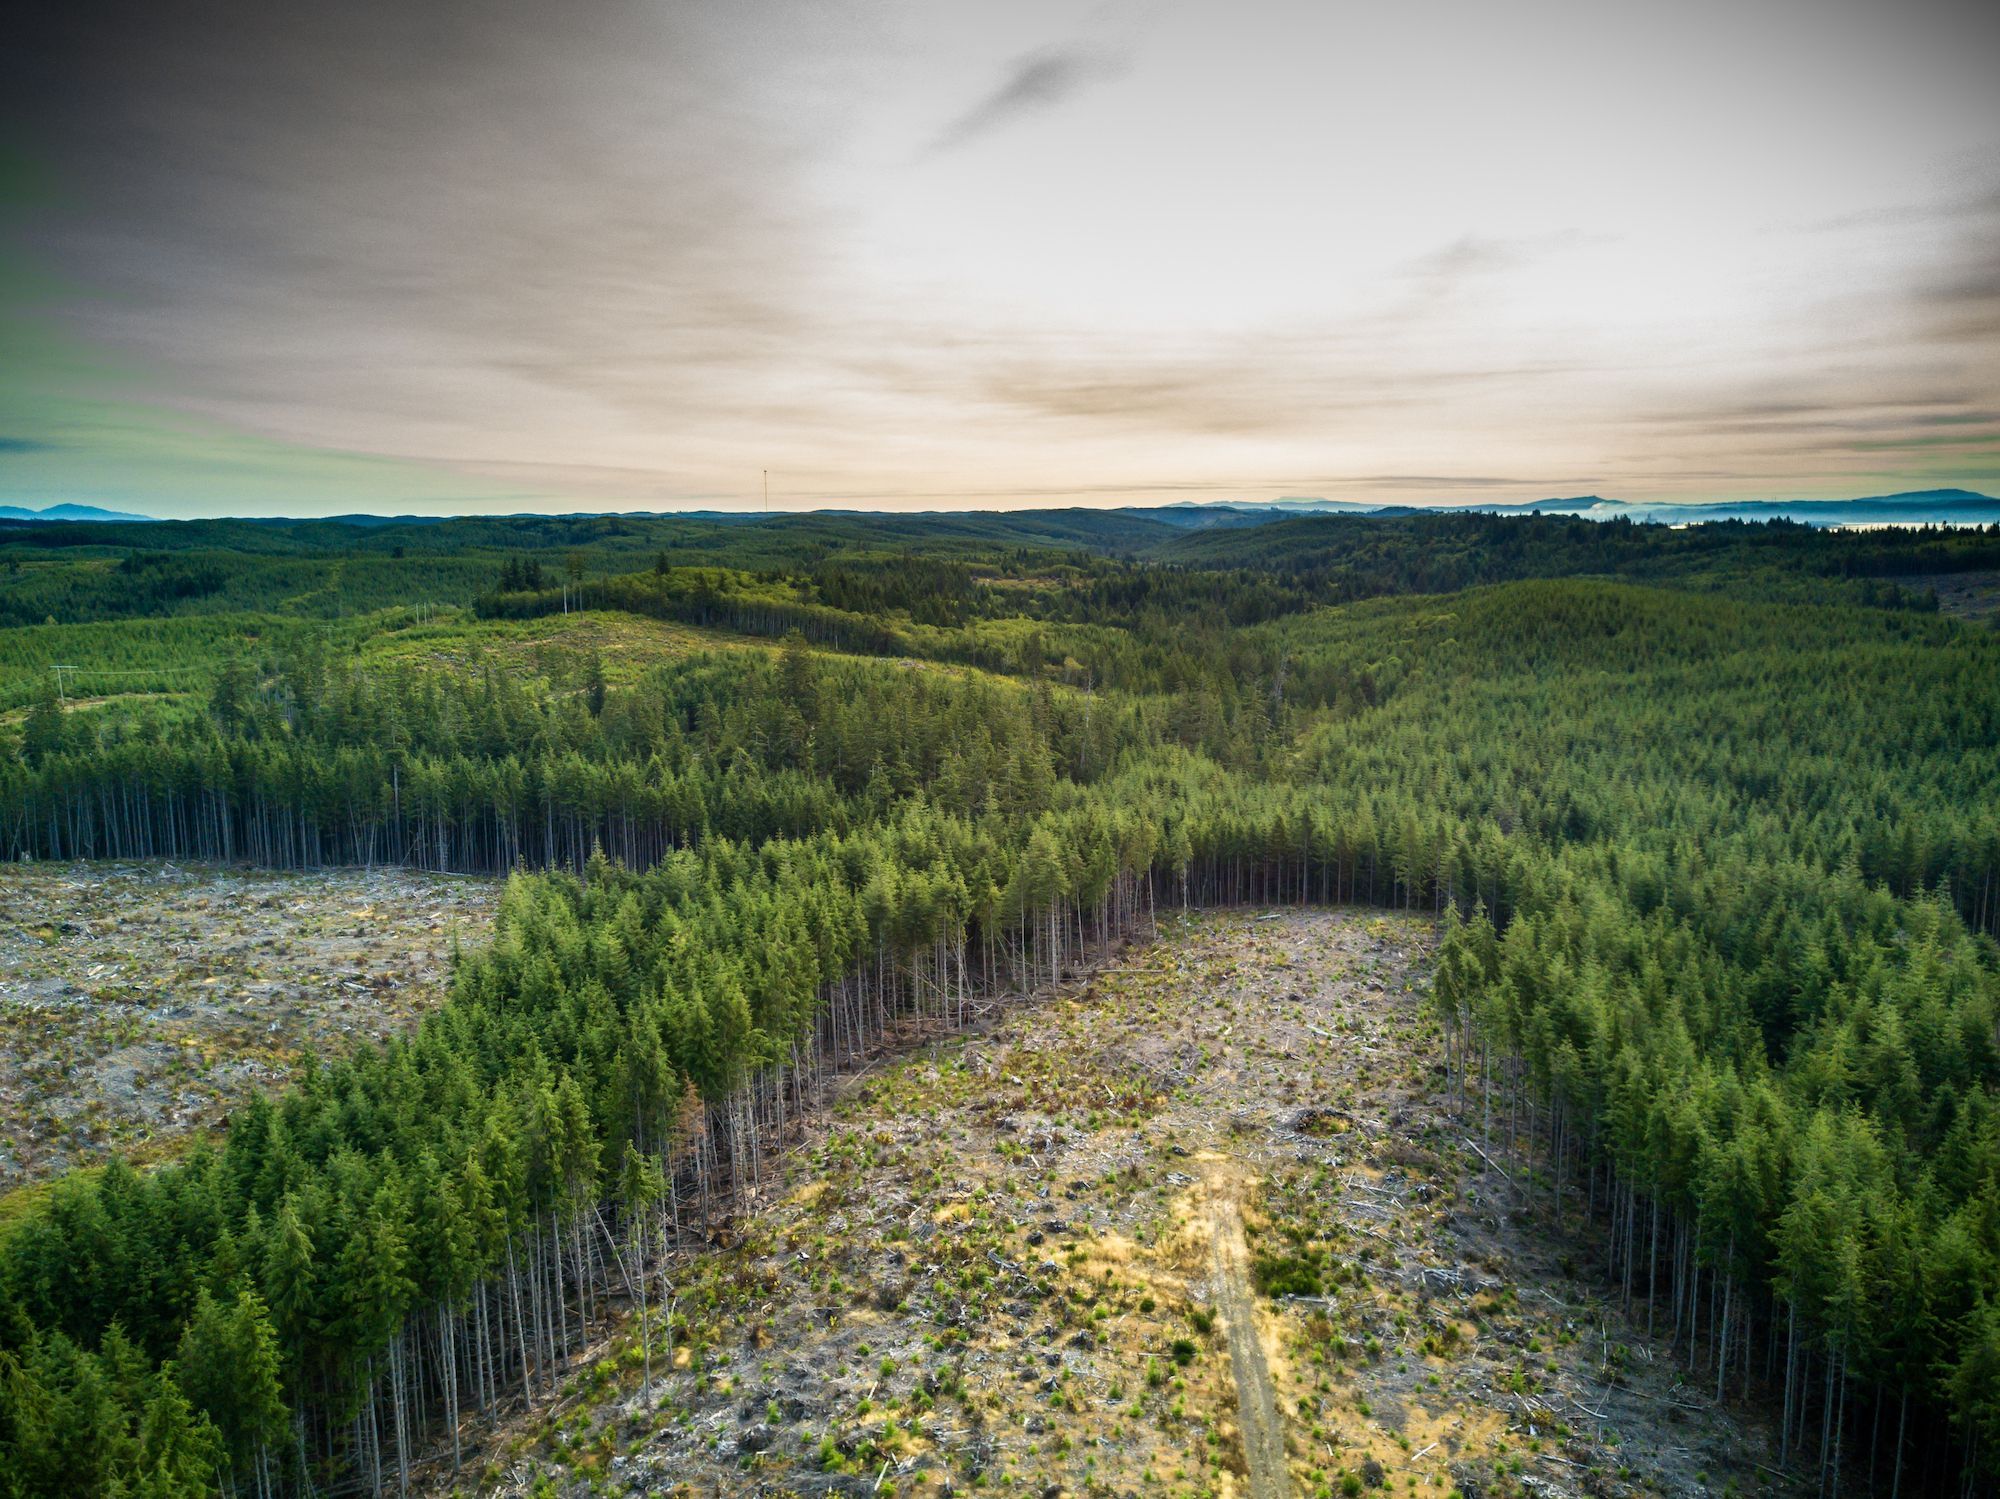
(1711, 819)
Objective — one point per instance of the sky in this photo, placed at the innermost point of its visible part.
(258, 257)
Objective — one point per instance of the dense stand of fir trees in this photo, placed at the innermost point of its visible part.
(316, 766)
(1716, 876)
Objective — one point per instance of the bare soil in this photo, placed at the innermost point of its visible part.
(1266, 1472)
(1973, 596)
(1208, 1226)
(140, 1002)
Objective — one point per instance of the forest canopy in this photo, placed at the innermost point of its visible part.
(1711, 819)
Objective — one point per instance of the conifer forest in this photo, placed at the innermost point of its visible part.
(1679, 849)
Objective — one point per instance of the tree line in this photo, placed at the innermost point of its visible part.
(1715, 877)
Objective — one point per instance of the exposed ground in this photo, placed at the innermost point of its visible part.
(553, 647)
(1969, 595)
(141, 1001)
(1206, 1227)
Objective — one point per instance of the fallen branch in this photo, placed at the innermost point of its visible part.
(1489, 1161)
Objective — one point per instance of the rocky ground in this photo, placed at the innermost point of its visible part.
(139, 1002)
(1205, 1227)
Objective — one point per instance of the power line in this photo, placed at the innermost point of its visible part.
(62, 694)
(132, 671)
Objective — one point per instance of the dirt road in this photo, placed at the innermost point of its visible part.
(992, 1264)
(1256, 1404)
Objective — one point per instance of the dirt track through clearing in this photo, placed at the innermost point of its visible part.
(1256, 1404)
(993, 1265)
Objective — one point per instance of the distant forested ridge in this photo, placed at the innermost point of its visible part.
(1711, 817)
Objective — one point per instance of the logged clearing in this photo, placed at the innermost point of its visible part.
(139, 1002)
(552, 648)
(1204, 1226)
(1971, 596)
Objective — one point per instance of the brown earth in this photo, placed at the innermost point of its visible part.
(140, 1002)
(1265, 1469)
(1208, 1227)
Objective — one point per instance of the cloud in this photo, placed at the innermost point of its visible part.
(1468, 255)
(1432, 483)
(1471, 259)
(634, 249)
(393, 230)
(1035, 83)
(1249, 388)
(1960, 297)
(1954, 245)
(23, 445)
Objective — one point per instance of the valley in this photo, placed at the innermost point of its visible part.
(1205, 1224)
(1510, 1008)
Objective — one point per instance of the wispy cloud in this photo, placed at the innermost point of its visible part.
(1473, 260)
(1468, 255)
(358, 253)
(1961, 295)
(1033, 84)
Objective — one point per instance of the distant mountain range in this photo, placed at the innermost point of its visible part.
(1922, 507)
(1919, 507)
(68, 513)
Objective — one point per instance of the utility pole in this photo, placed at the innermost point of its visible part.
(61, 696)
